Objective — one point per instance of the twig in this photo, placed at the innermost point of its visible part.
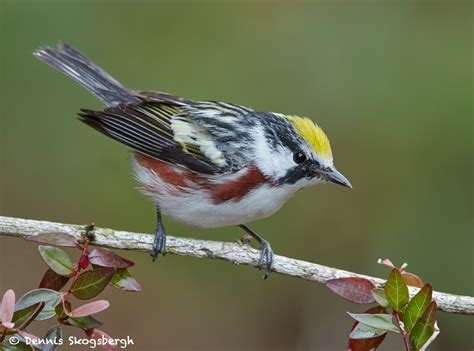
(231, 252)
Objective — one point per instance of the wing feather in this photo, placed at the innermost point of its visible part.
(146, 128)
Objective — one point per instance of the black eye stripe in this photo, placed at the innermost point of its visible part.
(293, 175)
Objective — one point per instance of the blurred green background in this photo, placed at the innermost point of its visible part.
(389, 81)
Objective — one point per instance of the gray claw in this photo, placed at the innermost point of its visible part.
(159, 243)
(266, 258)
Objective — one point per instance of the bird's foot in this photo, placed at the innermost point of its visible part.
(266, 258)
(159, 243)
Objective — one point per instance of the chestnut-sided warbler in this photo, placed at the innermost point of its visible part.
(207, 164)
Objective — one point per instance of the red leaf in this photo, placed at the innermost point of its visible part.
(106, 258)
(90, 308)
(358, 290)
(98, 334)
(412, 280)
(54, 239)
(366, 344)
(8, 307)
(52, 280)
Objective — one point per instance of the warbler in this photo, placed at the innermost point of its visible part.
(206, 164)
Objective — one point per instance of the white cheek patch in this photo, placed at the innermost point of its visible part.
(272, 162)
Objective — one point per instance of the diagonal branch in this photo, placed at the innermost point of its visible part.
(231, 252)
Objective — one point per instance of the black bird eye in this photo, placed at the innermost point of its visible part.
(299, 157)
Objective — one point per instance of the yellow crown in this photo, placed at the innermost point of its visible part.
(313, 134)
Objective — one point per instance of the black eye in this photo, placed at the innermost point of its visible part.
(299, 157)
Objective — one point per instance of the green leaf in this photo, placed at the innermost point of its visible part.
(50, 297)
(363, 338)
(423, 328)
(123, 280)
(379, 296)
(53, 338)
(24, 334)
(57, 260)
(396, 290)
(60, 313)
(21, 346)
(369, 343)
(421, 335)
(363, 331)
(377, 321)
(20, 316)
(87, 322)
(417, 306)
(432, 337)
(91, 283)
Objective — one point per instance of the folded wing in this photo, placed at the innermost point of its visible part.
(146, 128)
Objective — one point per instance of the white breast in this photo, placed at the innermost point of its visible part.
(195, 207)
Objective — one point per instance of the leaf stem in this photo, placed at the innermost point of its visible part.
(402, 330)
(4, 334)
(77, 267)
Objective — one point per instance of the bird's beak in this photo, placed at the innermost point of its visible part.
(336, 177)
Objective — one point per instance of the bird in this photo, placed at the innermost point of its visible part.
(207, 164)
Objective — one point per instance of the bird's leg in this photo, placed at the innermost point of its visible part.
(266, 252)
(159, 242)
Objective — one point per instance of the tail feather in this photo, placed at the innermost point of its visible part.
(78, 67)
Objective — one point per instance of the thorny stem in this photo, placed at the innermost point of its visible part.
(402, 330)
